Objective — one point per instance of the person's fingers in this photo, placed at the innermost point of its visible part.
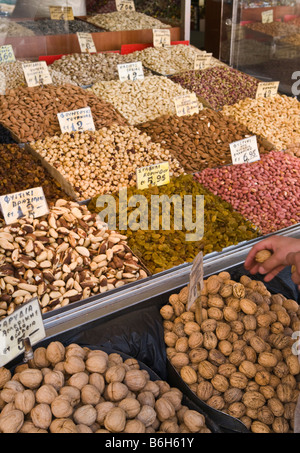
(265, 244)
(293, 259)
(270, 275)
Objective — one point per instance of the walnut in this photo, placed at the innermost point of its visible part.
(40, 358)
(167, 312)
(115, 420)
(248, 368)
(78, 380)
(31, 378)
(134, 426)
(25, 401)
(207, 370)
(55, 352)
(182, 344)
(179, 360)
(209, 325)
(74, 364)
(96, 363)
(265, 415)
(54, 378)
(280, 425)
(262, 256)
(103, 408)
(11, 422)
(237, 409)
(147, 415)
(213, 284)
(238, 290)
(259, 427)
(41, 416)
(253, 400)
(233, 395)
(72, 393)
(116, 391)
(85, 415)
(164, 409)
(193, 420)
(220, 383)
(63, 425)
(267, 359)
(74, 349)
(204, 390)
(197, 355)
(238, 380)
(188, 374)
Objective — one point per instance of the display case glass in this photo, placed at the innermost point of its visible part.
(263, 40)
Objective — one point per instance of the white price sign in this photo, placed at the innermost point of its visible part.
(244, 151)
(131, 71)
(86, 42)
(125, 5)
(196, 280)
(24, 322)
(28, 203)
(187, 104)
(61, 12)
(7, 54)
(267, 16)
(202, 61)
(36, 73)
(266, 89)
(161, 37)
(76, 120)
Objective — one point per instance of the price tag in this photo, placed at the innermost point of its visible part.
(7, 54)
(86, 42)
(196, 280)
(153, 175)
(76, 120)
(36, 73)
(267, 16)
(267, 89)
(161, 37)
(244, 151)
(24, 322)
(29, 203)
(131, 71)
(125, 5)
(187, 104)
(202, 61)
(61, 12)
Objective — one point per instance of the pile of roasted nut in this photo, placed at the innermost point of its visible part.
(239, 356)
(75, 389)
(65, 256)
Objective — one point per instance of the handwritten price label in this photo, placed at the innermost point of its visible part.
(86, 42)
(267, 89)
(61, 12)
(28, 203)
(7, 54)
(76, 120)
(131, 71)
(161, 38)
(244, 151)
(187, 104)
(125, 5)
(153, 175)
(267, 16)
(36, 73)
(202, 61)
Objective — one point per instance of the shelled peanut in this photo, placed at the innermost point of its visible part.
(21, 171)
(266, 192)
(74, 389)
(63, 257)
(276, 118)
(86, 69)
(239, 357)
(103, 161)
(218, 85)
(31, 112)
(141, 100)
(125, 20)
(200, 140)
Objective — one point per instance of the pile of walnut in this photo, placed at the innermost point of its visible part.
(74, 389)
(65, 256)
(239, 359)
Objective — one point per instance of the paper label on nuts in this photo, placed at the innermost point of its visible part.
(202, 61)
(28, 203)
(24, 322)
(125, 5)
(244, 151)
(131, 71)
(196, 280)
(187, 104)
(76, 120)
(7, 54)
(266, 89)
(161, 37)
(267, 16)
(61, 12)
(36, 73)
(153, 175)
(86, 42)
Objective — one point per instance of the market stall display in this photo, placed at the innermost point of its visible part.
(162, 248)
(125, 20)
(239, 357)
(200, 140)
(31, 113)
(266, 192)
(103, 161)
(44, 27)
(141, 100)
(219, 86)
(276, 118)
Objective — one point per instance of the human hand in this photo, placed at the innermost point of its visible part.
(281, 247)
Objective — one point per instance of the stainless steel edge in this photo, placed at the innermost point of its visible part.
(112, 302)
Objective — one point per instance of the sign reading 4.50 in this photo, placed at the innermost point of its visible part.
(7, 54)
